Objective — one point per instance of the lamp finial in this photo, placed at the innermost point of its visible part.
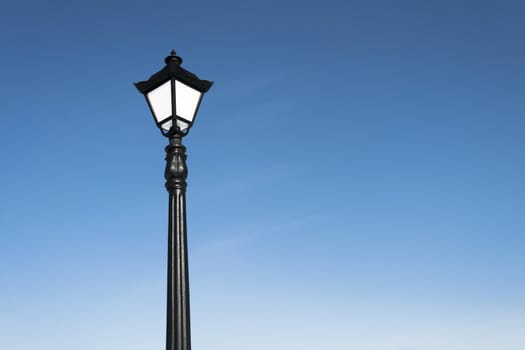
(173, 58)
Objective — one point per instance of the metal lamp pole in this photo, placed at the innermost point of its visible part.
(178, 303)
(173, 95)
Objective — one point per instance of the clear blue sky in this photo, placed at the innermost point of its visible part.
(356, 175)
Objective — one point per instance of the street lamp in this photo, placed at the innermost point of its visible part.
(174, 95)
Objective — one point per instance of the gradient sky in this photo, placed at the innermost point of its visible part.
(356, 175)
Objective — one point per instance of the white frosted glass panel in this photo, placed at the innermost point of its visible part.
(187, 100)
(182, 125)
(160, 101)
(167, 125)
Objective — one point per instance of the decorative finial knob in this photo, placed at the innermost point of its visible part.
(173, 58)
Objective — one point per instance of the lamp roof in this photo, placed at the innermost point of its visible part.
(173, 70)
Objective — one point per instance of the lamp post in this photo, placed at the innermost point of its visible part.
(174, 95)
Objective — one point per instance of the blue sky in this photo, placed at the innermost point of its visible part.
(356, 175)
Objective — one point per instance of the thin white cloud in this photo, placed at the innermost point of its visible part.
(249, 235)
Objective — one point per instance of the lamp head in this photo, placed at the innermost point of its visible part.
(174, 95)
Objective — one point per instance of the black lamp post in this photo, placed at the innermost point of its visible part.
(174, 95)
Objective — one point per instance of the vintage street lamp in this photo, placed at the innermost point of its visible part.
(174, 95)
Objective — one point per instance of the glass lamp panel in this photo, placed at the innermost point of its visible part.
(187, 101)
(160, 101)
(166, 125)
(181, 124)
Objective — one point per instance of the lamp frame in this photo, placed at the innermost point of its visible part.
(173, 72)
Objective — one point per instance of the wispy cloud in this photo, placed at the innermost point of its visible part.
(249, 235)
(255, 179)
